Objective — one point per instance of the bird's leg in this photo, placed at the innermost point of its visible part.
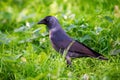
(68, 59)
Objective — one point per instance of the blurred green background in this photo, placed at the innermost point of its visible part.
(25, 49)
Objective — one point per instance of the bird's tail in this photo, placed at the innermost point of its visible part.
(102, 58)
(97, 55)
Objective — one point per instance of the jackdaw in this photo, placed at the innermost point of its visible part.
(61, 41)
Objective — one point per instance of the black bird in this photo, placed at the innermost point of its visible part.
(61, 42)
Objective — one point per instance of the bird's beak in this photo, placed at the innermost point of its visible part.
(42, 21)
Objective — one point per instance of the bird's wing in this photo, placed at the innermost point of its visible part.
(83, 49)
(78, 48)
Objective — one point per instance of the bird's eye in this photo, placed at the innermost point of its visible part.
(46, 20)
(49, 19)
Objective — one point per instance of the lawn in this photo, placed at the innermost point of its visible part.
(25, 49)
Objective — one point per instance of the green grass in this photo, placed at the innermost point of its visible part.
(25, 49)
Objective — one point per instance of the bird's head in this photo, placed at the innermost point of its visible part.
(50, 21)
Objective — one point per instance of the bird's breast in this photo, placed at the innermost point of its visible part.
(55, 40)
(59, 39)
